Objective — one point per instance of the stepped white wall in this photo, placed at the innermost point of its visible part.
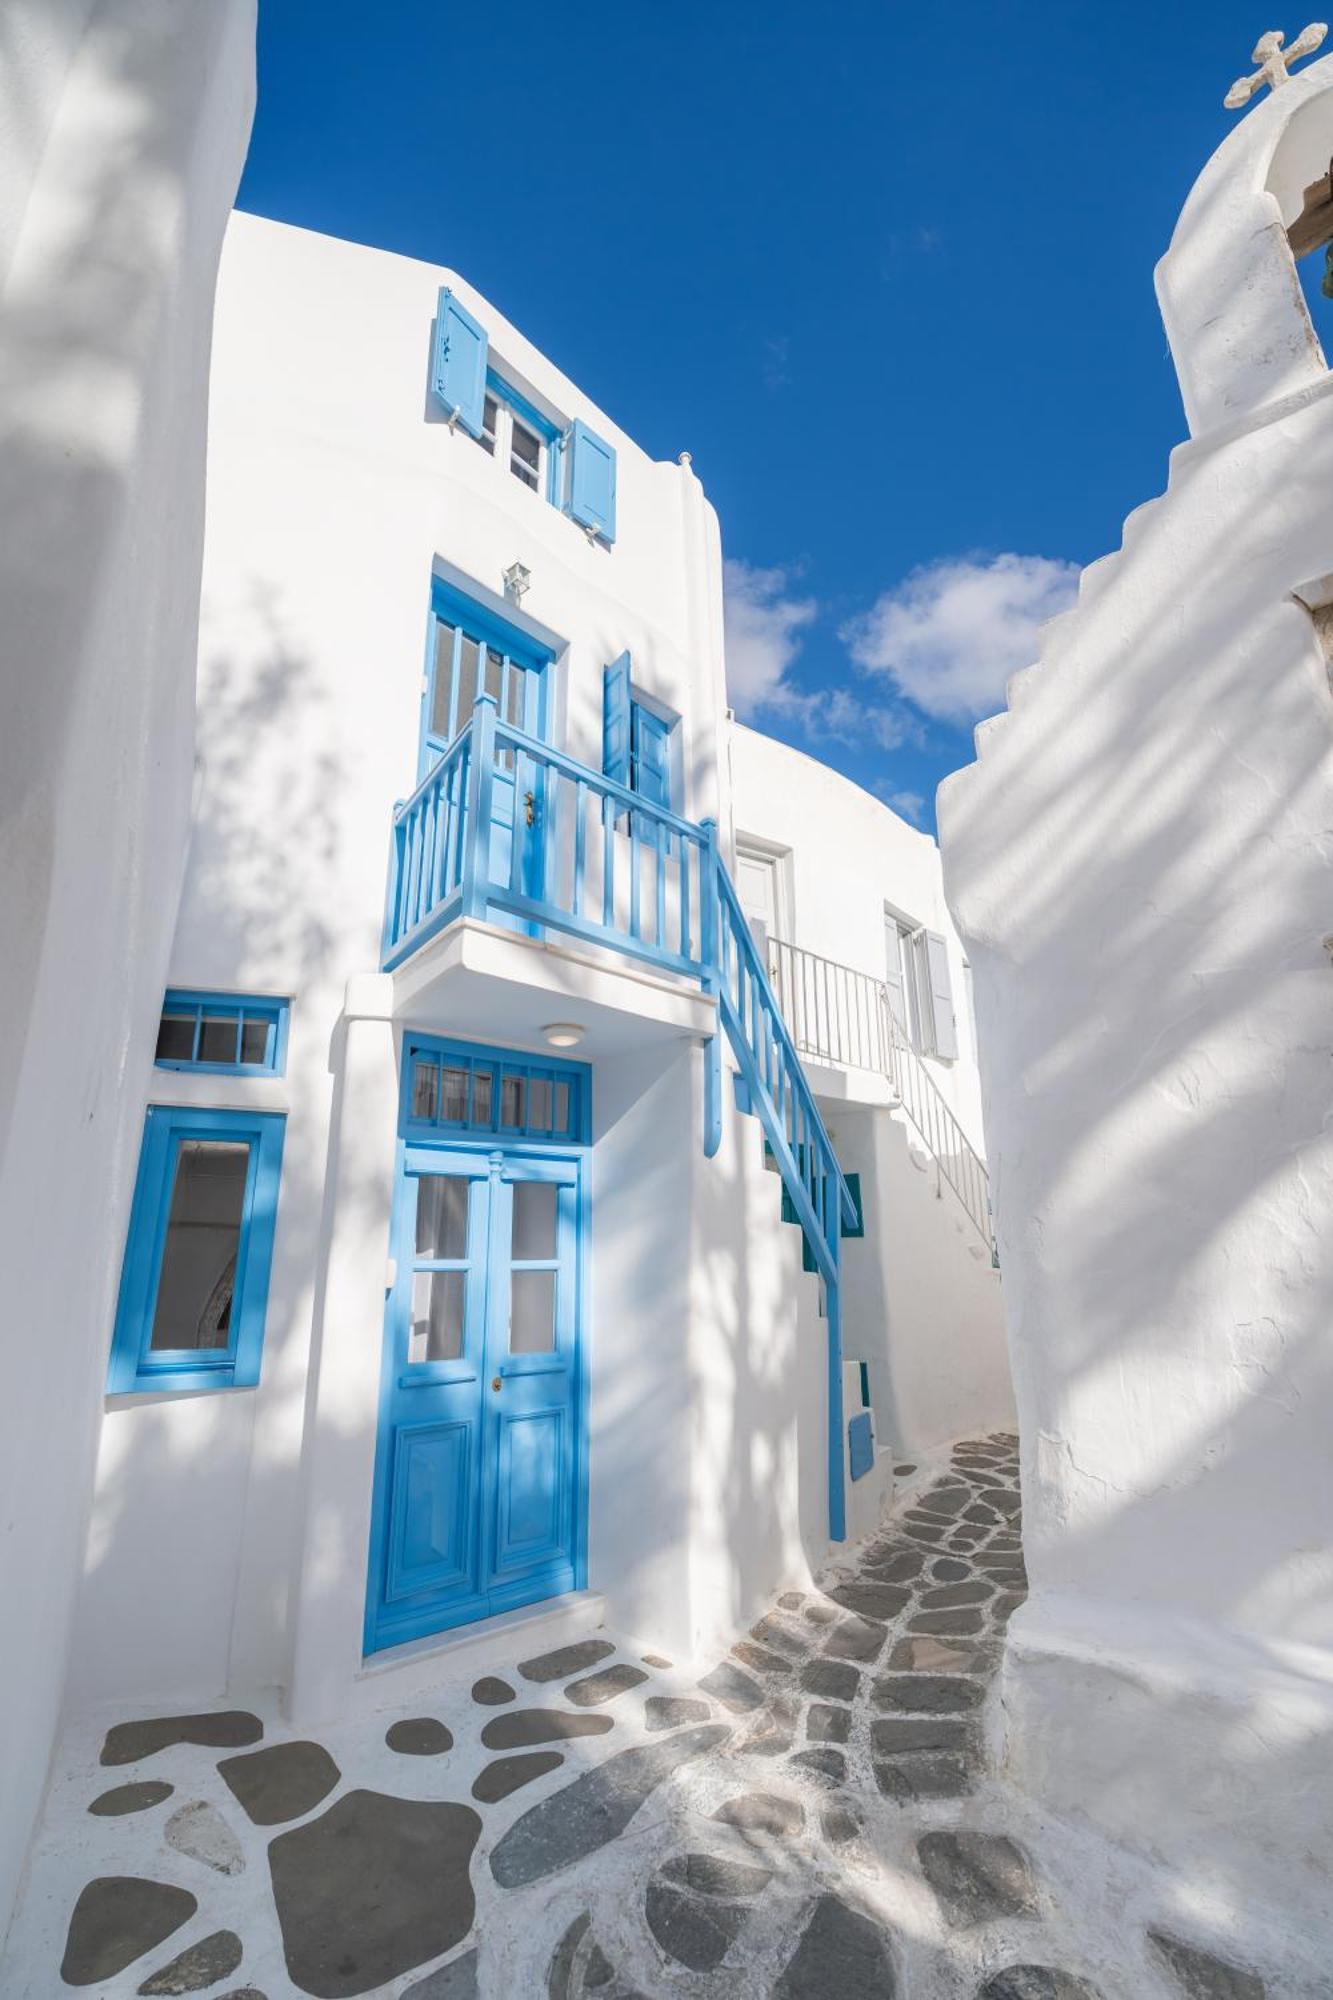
(1139, 865)
(122, 131)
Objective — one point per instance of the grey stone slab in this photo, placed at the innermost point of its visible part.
(925, 1655)
(419, 1736)
(842, 1955)
(837, 1680)
(779, 1637)
(130, 1798)
(373, 1888)
(243, 1993)
(926, 1694)
(1004, 1607)
(1037, 1982)
(280, 1783)
(673, 1711)
(559, 1977)
(225, 1730)
(828, 1766)
(855, 1639)
(943, 1503)
(839, 1824)
(213, 1958)
(905, 1470)
(951, 1569)
(491, 1692)
(763, 1812)
(791, 1600)
(656, 1660)
(977, 1877)
(947, 1596)
(199, 1830)
(733, 1688)
(822, 1614)
(921, 1532)
(827, 1723)
(695, 1933)
(566, 1660)
(760, 1660)
(896, 1736)
(458, 1980)
(962, 1624)
(605, 1686)
(507, 1774)
(1200, 1975)
(523, 1727)
(909, 1779)
(871, 1600)
(584, 1815)
(712, 1875)
(902, 1566)
(116, 1920)
(772, 1730)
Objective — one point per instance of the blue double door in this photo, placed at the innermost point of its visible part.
(479, 1478)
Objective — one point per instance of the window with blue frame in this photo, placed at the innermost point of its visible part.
(194, 1285)
(472, 653)
(227, 1034)
(567, 462)
(636, 737)
(457, 1087)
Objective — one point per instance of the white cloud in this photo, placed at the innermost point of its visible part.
(764, 625)
(909, 805)
(950, 635)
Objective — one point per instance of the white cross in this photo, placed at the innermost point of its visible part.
(1274, 62)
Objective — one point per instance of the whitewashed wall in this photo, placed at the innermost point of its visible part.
(1139, 864)
(122, 132)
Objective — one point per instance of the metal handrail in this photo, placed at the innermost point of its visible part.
(841, 1016)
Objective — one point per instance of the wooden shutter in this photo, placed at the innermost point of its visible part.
(592, 481)
(458, 364)
(616, 720)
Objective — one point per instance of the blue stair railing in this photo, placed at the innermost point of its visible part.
(506, 828)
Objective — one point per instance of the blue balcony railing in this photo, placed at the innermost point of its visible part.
(506, 829)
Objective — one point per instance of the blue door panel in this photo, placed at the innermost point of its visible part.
(478, 1504)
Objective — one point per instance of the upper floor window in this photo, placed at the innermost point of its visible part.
(567, 462)
(920, 988)
(229, 1034)
(473, 652)
(638, 734)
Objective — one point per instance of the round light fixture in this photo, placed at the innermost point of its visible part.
(564, 1034)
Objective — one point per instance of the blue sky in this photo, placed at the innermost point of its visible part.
(885, 271)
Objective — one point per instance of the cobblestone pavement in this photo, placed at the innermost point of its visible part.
(810, 1820)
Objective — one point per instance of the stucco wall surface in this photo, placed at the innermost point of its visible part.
(122, 131)
(1139, 866)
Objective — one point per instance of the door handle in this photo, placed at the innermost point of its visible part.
(495, 1381)
(530, 808)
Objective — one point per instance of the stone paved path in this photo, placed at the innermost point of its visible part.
(813, 1819)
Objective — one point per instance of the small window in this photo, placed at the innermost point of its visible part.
(454, 1087)
(490, 421)
(194, 1287)
(518, 435)
(650, 754)
(225, 1033)
(525, 454)
(464, 664)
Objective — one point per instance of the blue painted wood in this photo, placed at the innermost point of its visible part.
(134, 1364)
(617, 709)
(860, 1445)
(650, 755)
(592, 481)
(458, 362)
(455, 1090)
(480, 1493)
(247, 1013)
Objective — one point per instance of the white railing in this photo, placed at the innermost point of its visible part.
(840, 1016)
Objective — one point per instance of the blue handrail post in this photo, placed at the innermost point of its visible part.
(709, 924)
(477, 817)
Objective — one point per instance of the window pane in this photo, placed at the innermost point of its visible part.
(254, 1041)
(442, 1205)
(425, 1089)
(561, 1108)
(438, 1299)
(217, 1038)
(488, 414)
(534, 1219)
(524, 454)
(453, 1100)
(483, 1100)
(444, 680)
(532, 1313)
(198, 1276)
(539, 1104)
(494, 673)
(175, 1038)
(514, 700)
(511, 1100)
(467, 678)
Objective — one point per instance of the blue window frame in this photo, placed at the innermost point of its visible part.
(636, 736)
(225, 1034)
(194, 1285)
(471, 652)
(458, 1087)
(650, 754)
(516, 432)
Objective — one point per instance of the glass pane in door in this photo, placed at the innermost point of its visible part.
(532, 1312)
(194, 1293)
(438, 1300)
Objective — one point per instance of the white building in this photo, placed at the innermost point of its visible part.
(1139, 863)
(456, 1286)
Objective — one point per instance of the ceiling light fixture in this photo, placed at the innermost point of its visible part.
(564, 1034)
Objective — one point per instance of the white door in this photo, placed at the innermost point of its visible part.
(757, 887)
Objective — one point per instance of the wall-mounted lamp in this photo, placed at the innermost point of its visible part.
(516, 580)
(564, 1034)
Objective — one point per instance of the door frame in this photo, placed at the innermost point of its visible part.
(415, 1137)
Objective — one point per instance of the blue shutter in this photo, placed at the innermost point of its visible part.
(652, 774)
(592, 481)
(616, 721)
(458, 364)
